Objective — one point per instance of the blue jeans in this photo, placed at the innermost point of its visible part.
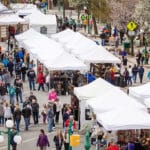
(103, 42)
(19, 95)
(129, 80)
(23, 77)
(26, 120)
(134, 77)
(17, 124)
(50, 124)
(1, 120)
(12, 99)
(31, 84)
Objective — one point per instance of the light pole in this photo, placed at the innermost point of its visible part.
(70, 132)
(64, 10)
(131, 35)
(17, 138)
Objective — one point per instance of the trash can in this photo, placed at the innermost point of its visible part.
(126, 46)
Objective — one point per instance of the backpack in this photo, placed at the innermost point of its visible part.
(11, 91)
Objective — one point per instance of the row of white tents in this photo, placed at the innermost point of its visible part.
(84, 48)
(56, 56)
(49, 52)
(115, 110)
(32, 16)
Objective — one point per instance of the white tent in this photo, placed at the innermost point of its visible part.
(84, 48)
(124, 119)
(2, 7)
(112, 100)
(48, 51)
(140, 92)
(102, 96)
(38, 20)
(11, 19)
(93, 89)
(22, 6)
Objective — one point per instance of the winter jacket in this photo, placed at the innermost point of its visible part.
(17, 114)
(1, 110)
(10, 66)
(26, 112)
(43, 141)
(40, 78)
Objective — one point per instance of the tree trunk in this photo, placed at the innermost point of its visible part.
(95, 26)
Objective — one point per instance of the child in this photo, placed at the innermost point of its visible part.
(44, 113)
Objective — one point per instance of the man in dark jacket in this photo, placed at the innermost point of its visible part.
(134, 72)
(141, 73)
(10, 66)
(31, 76)
(35, 111)
(26, 112)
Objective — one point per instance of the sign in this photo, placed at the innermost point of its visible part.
(43, 30)
(131, 26)
(74, 140)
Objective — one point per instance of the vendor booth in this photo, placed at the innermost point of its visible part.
(45, 24)
(12, 21)
(100, 96)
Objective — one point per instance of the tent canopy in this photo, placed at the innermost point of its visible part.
(84, 48)
(124, 119)
(93, 89)
(11, 19)
(49, 52)
(42, 19)
(112, 100)
(140, 92)
(2, 7)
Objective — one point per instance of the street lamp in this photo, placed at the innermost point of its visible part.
(17, 138)
(131, 35)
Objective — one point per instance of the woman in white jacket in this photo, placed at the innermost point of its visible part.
(7, 112)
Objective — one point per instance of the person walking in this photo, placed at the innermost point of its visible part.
(10, 66)
(17, 117)
(42, 141)
(130, 76)
(11, 91)
(47, 81)
(134, 72)
(66, 140)
(7, 112)
(58, 109)
(58, 140)
(23, 72)
(19, 87)
(40, 81)
(141, 73)
(26, 112)
(31, 77)
(1, 114)
(50, 117)
(35, 111)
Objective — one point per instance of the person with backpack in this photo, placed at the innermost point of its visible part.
(42, 141)
(35, 111)
(11, 92)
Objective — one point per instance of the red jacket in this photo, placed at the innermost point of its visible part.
(113, 147)
(67, 124)
(40, 78)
